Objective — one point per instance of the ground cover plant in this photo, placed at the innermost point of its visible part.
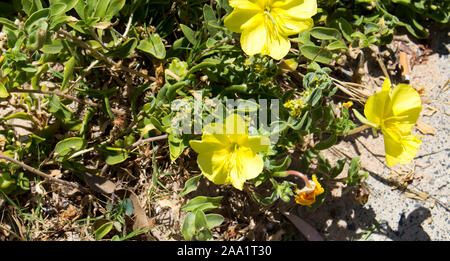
(114, 111)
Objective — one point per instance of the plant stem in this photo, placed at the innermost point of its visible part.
(359, 129)
(140, 142)
(66, 96)
(103, 57)
(298, 174)
(42, 174)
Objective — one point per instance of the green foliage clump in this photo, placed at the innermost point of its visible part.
(119, 66)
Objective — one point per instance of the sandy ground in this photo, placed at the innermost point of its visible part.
(418, 210)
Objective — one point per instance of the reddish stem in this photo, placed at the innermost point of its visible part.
(301, 175)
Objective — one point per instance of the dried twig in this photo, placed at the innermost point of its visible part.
(66, 96)
(359, 129)
(140, 142)
(42, 174)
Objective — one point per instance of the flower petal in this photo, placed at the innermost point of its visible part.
(239, 19)
(377, 104)
(297, 8)
(406, 102)
(305, 198)
(235, 124)
(214, 166)
(278, 47)
(401, 150)
(288, 25)
(257, 143)
(254, 38)
(205, 146)
(318, 189)
(246, 4)
(247, 165)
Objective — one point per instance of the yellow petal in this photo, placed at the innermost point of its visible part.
(235, 124)
(205, 146)
(245, 4)
(297, 8)
(214, 166)
(376, 105)
(247, 165)
(400, 150)
(318, 190)
(278, 47)
(257, 143)
(254, 38)
(386, 85)
(288, 25)
(406, 101)
(239, 19)
(305, 198)
(215, 132)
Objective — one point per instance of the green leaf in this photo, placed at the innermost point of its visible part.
(213, 220)
(325, 33)
(362, 37)
(125, 49)
(346, 29)
(58, 21)
(202, 203)
(204, 235)
(210, 19)
(200, 66)
(370, 28)
(90, 112)
(188, 227)
(189, 33)
(18, 115)
(69, 145)
(30, 6)
(154, 46)
(128, 207)
(363, 119)
(314, 97)
(100, 7)
(68, 72)
(58, 109)
(3, 91)
(68, 3)
(114, 7)
(316, 53)
(200, 220)
(208, 13)
(55, 47)
(7, 23)
(304, 38)
(336, 45)
(337, 169)
(325, 144)
(190, 185)
(178, 67)
(35, 19)
(57, 9)
(103, 230)
(176, 146)
(283, 166)
(115, 155)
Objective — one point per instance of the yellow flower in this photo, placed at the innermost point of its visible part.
(227, 154)
(295, 106)
(348, 104)
(266, 24)
(307, 195)
(395, 113)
